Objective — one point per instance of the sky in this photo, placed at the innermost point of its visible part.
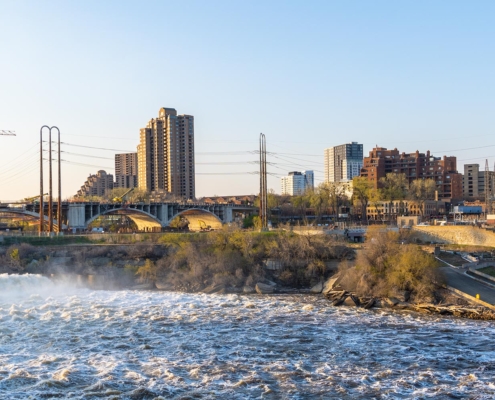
(412, 75)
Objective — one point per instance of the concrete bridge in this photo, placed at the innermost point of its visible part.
(147, 216)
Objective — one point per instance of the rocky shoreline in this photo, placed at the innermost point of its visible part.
(344, 298)
(450, 304)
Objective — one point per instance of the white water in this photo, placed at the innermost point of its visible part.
(66, 342)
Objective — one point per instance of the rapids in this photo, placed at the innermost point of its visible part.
(61, 341)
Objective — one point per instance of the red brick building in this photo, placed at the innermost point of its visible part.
(416, 165)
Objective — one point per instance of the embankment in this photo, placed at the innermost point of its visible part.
(461, 234)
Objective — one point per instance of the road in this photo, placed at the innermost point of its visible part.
(458, 280)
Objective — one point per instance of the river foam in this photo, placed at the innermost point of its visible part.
(58, 340)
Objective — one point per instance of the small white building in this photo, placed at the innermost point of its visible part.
(296, 183)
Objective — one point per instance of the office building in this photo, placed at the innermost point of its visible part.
(474, 181)
(415, 165)
(296, 183)
(126, 175)
(96, 185)
(343, 162)
(166, 154)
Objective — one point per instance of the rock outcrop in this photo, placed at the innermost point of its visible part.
(262, 288)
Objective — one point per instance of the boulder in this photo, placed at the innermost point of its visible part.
(402, 305)
(163, 285)
(330, 284)
(403, 295)
(262, 288)
(370, 304)
(338, 302)
(248, 289)
(348, 301)
(317, 288)
(335, 294)
(355, 299)
(391, 301)
(215, 289)
(144, 286)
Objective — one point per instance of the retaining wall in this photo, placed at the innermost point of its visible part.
(467, 235)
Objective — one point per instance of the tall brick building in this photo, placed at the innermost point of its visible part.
(443, 171)
(126, 175)
(165, 154)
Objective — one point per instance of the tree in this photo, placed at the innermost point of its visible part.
(361, 192)
(319, 199)
(300, 203)
(375, 200)
(422, 190)
(393, 187)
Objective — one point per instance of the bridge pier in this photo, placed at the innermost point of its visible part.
(76, 216)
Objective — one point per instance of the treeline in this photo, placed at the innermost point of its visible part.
(333, 199)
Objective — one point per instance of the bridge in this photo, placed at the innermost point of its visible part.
(146, 216)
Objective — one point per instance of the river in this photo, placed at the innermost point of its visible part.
(61, 341)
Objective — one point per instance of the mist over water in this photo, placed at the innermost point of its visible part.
(58, 340)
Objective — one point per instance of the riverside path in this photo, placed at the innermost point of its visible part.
(457, 279)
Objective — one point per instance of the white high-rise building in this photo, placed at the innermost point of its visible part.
(343, 162)
(296, 183)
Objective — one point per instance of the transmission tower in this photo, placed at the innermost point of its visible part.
(7, 133)
(263, 190)
(488, 187)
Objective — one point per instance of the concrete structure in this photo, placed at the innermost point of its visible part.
(416, 165)
(473, 184)
(147, 216)
(126, 166)
(166, 154)
(343, 162)
(296, 183)
(96, 185)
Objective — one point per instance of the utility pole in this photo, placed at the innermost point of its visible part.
(488, 197)
(263, 189)
(50, 186)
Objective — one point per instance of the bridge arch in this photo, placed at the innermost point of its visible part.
(34, 215)
(142, 219)
(199, 219)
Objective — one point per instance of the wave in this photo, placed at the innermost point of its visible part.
(15, 287)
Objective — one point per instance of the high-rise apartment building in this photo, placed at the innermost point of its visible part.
(166, 154)
(297, 183)
(343, 162)
(96, 185)
(126, 175)
(415, 165)
(474, 181)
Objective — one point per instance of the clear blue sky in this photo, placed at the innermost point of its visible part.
(415, 75)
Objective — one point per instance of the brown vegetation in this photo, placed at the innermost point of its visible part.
(388, 266)
(234, 258)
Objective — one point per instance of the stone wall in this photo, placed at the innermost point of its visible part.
(461, 234)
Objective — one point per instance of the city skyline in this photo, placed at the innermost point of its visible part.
(367, 73)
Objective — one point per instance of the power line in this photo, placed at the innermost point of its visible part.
(96, 148)
(86, 155)
(87, 165)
